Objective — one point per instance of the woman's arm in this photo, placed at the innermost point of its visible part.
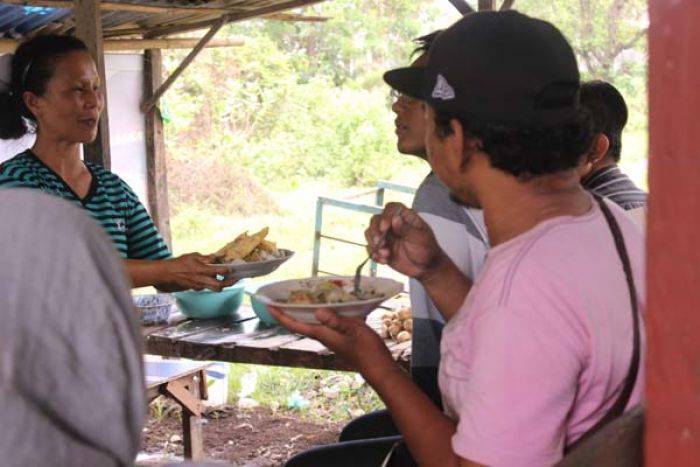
(190, 271)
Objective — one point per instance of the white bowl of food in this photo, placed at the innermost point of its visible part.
(300, 298)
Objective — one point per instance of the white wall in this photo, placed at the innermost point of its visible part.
(126, 122)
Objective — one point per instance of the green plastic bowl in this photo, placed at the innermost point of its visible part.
(207, 304)
(259, 307)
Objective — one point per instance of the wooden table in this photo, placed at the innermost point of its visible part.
(186, 384)
(245, 339)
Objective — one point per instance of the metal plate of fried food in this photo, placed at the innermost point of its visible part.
(251, 255)
(241, 269)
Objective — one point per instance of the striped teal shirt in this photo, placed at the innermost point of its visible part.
(110, 201)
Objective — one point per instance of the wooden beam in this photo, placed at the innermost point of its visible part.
(156, 162)
(462, 6)
(10, 45)
(175, 29)
(673, 233)
(89, 28)
(507, 5)
(166, 44)
(148, 104)
(487, 5)
(293, 17)
(163, 10)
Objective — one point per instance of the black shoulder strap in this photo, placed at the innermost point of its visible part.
(623, 398)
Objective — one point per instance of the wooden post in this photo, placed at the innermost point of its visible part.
(155, 148)
(88, 27)
(153, 100)
(462, 6)
(673, 267)
(487, 5)
(507, 5)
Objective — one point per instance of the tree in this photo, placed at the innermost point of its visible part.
(607, 35)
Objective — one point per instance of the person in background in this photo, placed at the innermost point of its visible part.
(600, 173)
(54, 90)
(459, 231)
(71, 386)
(547, 345)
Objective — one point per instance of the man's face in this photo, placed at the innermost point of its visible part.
(447, 159)
(410, 126)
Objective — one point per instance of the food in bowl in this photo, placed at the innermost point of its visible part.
(329, 291)
(248, 249)
(375, 291)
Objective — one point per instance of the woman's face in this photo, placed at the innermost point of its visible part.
(70, 108)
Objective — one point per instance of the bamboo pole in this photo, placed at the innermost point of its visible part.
(148, 104)
(487, 5)
(118, 45)
(462, 6)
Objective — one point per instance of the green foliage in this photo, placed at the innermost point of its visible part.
(298, 101)
(332, 395)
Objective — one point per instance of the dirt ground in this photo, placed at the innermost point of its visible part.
(252, 437)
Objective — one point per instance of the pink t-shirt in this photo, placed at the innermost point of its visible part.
(541, 346)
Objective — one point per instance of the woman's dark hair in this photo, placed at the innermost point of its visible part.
(530, 151)
(32, 67)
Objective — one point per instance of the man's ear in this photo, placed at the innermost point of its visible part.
(601, 144)
(467, 145)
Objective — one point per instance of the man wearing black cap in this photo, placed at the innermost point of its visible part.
(547, 346)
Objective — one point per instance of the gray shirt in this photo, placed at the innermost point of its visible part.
(461, 233)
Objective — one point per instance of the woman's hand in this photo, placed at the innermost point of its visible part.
(399, 238)
(350, 338)
(193, 271)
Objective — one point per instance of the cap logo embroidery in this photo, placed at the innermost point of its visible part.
(443, 90)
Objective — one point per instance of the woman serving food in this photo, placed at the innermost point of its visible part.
(54, 91)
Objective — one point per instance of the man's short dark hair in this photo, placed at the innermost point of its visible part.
(608, 112)
(527, 152)
(424, 42)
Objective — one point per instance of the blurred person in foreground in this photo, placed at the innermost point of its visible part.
(71, 373)
(54, 91)
(548, 345)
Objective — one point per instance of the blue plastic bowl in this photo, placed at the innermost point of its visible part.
(207, 304)
(259, 307)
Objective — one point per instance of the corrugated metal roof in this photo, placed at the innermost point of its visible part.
(160, 16)
(18, 20)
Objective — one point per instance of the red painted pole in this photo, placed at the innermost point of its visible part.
(673, 268)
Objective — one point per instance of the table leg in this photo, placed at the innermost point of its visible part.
(179, 391)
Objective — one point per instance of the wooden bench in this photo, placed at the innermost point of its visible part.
(186, 384)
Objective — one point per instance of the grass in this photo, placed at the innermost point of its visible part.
(318, 395)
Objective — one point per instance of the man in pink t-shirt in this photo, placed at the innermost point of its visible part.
(542, 346)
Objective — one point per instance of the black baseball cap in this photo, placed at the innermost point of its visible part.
(497, 67)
